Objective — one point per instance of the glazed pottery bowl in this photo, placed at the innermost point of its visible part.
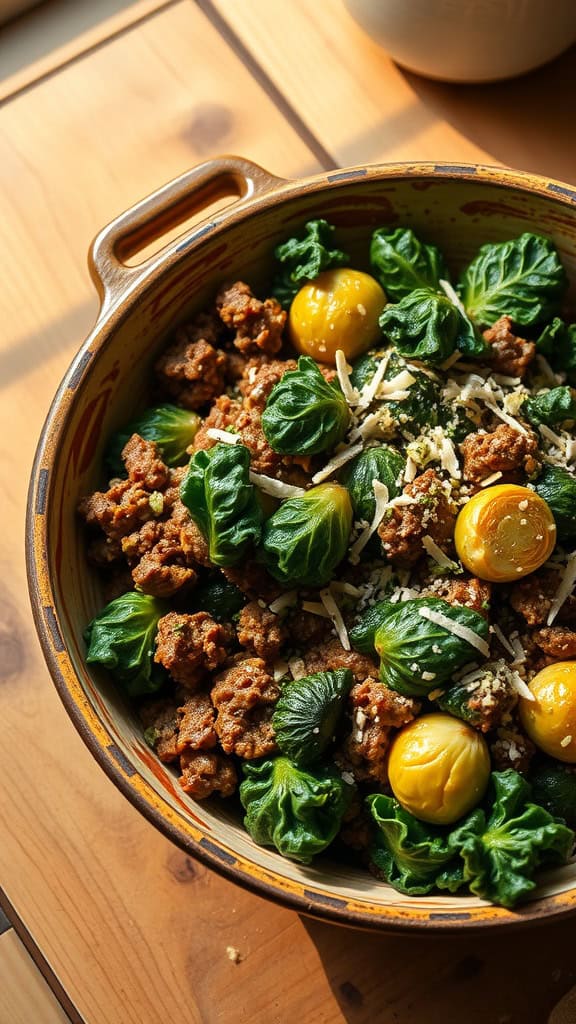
(457, 207)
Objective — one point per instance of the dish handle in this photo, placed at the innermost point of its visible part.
(163, 210)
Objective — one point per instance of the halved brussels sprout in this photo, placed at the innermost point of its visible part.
(551, 407)
(173, 429)
(307, 537)
(384, 464)
(305, 414)
(302, 259)
(307, 714)
(402, 263)
(554, 787)
(121, 638)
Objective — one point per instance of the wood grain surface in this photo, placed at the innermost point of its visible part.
(135, 931)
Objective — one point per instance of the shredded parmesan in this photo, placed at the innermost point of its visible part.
(503, 640)
(452, 295)
(277, 488)
(450, 361)
(507, 419)
(315, 608)
(297, 668)
(490, 479)
(286, 600)
(436, 553)
(565, 588)
(336, 462)
(222, 435)
(520, 686)
(448, 459)
(346, 588)
(400, 382)
(551, 436)
(281, 669)
(519, 652)
(457, 629)
(343, 370)
(410, 470)
(382, 496)
(369, 390)
(333, 610)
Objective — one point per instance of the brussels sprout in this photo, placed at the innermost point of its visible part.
(557, 486)
(297, 811)
(402, 263)
(305, 414)
(339, 309)
(384, 464)
(221, 599)
(503, 846)
(173, 429)
(222, 502)
(363, 634)
(558, 343)
(307, 537)
(554, 788)
(417, 653)
(482, 700)
(438, 768)
(494, 852)
(304, 258)
(522, 278)
(423, 325)
(307, 714)
(550, 408)
(121, 637)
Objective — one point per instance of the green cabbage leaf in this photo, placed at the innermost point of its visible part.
(305, 414)
(402, 263)
(122, 637)
(307, 714)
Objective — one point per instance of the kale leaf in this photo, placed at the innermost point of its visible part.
(557, 343)
(306, 538)
(296, 810)
(222, 502)
(121, 637)
(522, 278)
(305, 414)
(423, 325)
(302, 259)
(384, 464)
(551, 407)
(221, 599)
(557, 486)
(307, 714)
(402, 263)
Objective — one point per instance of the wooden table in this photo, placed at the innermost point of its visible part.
(128, 929)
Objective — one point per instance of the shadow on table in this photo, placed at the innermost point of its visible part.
(495, 978)
(524, 122)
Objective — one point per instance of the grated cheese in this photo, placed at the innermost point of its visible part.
(368, 393)
(520, 686)
(343, 370)
(490, 479)
(457, 629)
(281, 669)
(400, 382)
(436, 553)
(503, 640)
(297, 668)
(507, 418)
(448, 459)
(222, 435)
(410, 470)
(327, 598)
(382, 496)
(286, 600)
(519, 652)
(450, 361)
(336, 462)
(452, 295)
(277, 488)
(346, 588)
(565, 588)
(315, 608)
(551, 436)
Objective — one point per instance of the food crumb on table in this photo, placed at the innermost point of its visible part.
(233, 954)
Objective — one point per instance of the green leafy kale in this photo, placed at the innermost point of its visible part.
(384, 464)
(412, 856)
(222, 502)
(402, 263)
(428, 326)
(307, 714)
(302, 259)
(173, 429)
(456, 422)
(522, 278)
(557, 343)
(221, 599)
(503, 846)
(409, 644)
(305, 414)
(296, 810)
(551, 407)
(306, 538)
(557, 486)
(421, 406)
(121, 637)
(494, 851)
(554, 787)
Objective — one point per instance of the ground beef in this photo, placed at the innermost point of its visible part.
(557, 641)
(244, 696)
(357, 829)
(532, 598)
(375, 711)
(260, 631)
(331, 655)
(305, 629)
(511, 749)
(404, 527)
(197, 717)
(165, 553)
(207, 772)
(222, 416)
(161, 720)
(504, 450)
(509, 354)
(471, 592)
(260, 377)
(263, 458)
(253, 580)
(144, 464)
(258, 325)
(189, 646)
(193, 369)
(160, 572)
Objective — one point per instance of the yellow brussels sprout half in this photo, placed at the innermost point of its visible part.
(339, 309)
(550, 719)
(504, 533)
(438, 768)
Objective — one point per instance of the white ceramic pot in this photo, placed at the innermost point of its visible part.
(469, 40)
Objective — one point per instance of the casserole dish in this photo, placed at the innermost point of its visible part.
(460, 208)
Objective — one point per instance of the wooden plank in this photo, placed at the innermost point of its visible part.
(364, 108)
(24, 995)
